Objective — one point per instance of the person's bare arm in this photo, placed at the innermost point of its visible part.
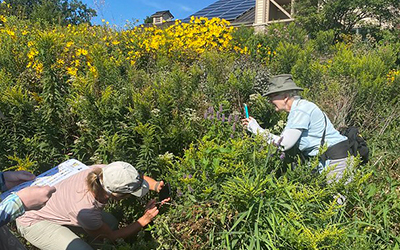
(132, 229)
(14, 178)
(35, 197)
(153, 184)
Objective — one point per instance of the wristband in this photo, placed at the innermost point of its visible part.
(156, 186)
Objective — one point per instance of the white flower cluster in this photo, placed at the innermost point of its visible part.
(155, 112)
(191, 114)
(280, 125)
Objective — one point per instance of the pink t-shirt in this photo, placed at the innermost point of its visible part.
(71, 204)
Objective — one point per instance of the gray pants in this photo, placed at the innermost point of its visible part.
(8, 241)
(51, 236)
(337, 168)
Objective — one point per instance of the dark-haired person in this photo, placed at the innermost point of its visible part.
(307, 127)
(79, 203)
(15, 204)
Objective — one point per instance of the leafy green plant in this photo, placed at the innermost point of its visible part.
(100, 95)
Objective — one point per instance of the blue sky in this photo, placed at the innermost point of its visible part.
(116, 12)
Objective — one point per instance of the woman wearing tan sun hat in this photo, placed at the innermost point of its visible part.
(79, 204)
(307, 127)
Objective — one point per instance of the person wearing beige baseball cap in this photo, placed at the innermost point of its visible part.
(122, 178)
(307, 127)
(79, 204)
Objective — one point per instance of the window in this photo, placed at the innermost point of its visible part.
(157, 20)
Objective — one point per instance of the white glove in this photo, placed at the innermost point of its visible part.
(254, 127)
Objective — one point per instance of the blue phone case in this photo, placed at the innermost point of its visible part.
(246, 110)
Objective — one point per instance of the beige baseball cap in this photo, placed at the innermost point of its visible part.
(121, 177)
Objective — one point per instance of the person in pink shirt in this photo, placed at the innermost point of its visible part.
(79, 203)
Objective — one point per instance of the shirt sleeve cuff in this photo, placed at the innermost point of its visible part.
(11, 208)
(18, 205)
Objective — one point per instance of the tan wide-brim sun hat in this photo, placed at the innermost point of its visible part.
(281, 83)
(121, 177)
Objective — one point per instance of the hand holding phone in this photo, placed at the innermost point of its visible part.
(165, 192)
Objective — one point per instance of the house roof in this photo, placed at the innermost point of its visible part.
(246, 18)
(161, 13)
(226, 9)
(243, 12)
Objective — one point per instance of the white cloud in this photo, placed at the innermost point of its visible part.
(185, 8)
(153, 4)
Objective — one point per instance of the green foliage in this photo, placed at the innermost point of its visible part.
(22, 164)
(287, 55)
(62, 12)
(229, 195)
(76, 92)
(344, 16)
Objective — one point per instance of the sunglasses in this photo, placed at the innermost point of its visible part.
(140, 178)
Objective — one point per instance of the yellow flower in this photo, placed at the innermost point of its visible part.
(81, 52)
(93, 70)
(60, 61)
(3, 19)
(11, 33)
(392, 75)
(72, 71)
(32, 53)
(38, 67)
(69, 44)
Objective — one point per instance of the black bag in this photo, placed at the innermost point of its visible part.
(357, 144)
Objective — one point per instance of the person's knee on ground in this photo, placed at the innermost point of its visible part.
(51, 236)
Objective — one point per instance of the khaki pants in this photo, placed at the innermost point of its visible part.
(50, 236)
(8, 241)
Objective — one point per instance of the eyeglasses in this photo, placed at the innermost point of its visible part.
(273, 97)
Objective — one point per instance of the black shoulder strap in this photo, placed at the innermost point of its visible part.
(323, 135)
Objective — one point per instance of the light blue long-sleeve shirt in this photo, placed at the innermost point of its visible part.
(308, 118)
(11, 207)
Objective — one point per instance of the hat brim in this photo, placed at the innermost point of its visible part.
(143, 190)
(282, 90)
